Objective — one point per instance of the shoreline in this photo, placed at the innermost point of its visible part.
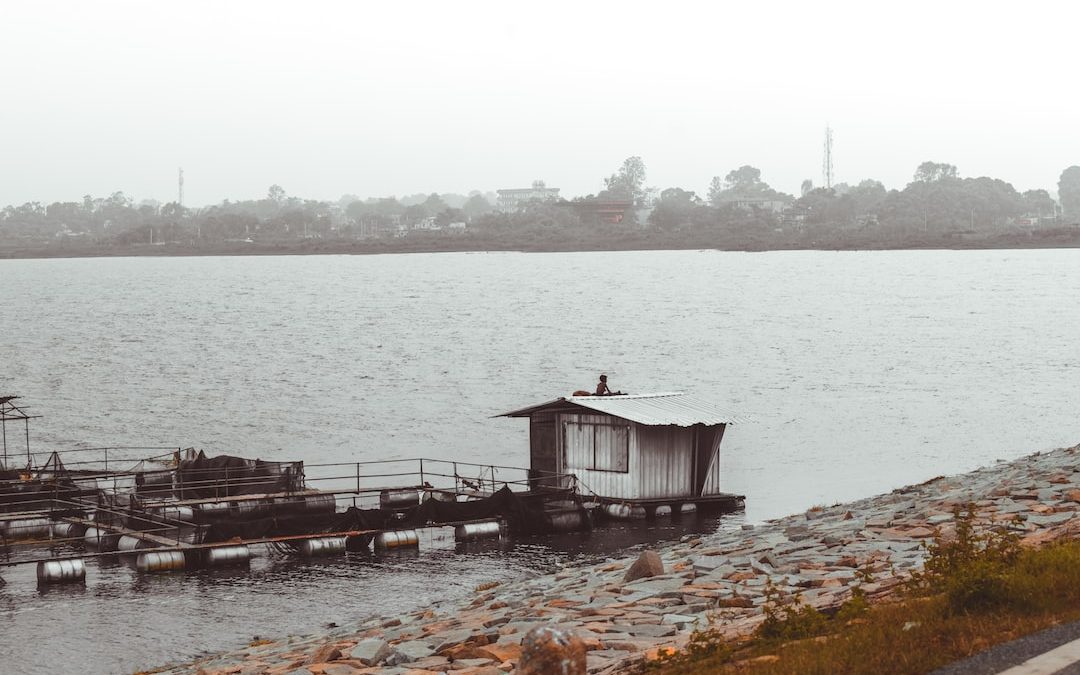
(820, 555)
(349, 248)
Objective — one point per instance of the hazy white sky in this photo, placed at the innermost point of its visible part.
(377, 98)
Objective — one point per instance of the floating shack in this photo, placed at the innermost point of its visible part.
(638, 455)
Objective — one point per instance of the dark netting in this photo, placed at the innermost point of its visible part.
(276, 526)
(203, 477)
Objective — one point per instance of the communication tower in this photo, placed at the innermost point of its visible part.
(181, 198)
(827, 160)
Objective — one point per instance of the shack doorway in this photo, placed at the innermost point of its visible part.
(543, 453)
(707, 456)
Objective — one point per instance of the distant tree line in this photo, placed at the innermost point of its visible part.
(738, 210)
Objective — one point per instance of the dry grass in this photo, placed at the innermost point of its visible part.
(980, 589)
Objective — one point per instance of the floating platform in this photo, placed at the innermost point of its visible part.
(210, 512)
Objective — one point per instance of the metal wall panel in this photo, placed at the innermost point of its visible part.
(666, 468)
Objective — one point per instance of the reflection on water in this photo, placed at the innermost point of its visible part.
(178, 616)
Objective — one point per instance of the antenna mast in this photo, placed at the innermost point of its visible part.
(827, 162)
(181, 200)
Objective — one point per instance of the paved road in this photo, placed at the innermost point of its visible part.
(1055, 650)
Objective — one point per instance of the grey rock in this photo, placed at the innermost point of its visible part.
(370, 652)
(648, 564)
(450, 638)
(415, 649)
(1050, 519)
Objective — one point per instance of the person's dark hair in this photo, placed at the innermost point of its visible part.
(603, 377)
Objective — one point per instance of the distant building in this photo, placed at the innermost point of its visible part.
(516, 198)
(764, 203)
(603, 210)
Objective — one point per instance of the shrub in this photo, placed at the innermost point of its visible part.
(971, 568)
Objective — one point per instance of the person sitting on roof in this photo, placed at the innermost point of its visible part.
(603, 390)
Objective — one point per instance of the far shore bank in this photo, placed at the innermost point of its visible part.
(449, 246)
(722, 580)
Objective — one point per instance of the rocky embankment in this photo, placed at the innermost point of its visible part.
(821, 555)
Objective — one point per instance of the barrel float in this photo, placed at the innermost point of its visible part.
(100, 540)
(638, 512)
(26, 528)
(618, 511)
(322, 546)
(182, 513)
(228, 555)
(397, 539)
(213, 510)
(489, 529)
(441, 495)
(66, 530)
(689, 507)
(154, 482)
(61, 571)
(662, 511)
(252, 508)
(320, 503)
(567, 521)
(398, 499)
(128, 543)
(160, 561)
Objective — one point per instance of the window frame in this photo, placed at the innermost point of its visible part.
(625, 426)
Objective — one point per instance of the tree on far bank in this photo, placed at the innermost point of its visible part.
(929, 172)
(629, 182)
(476, 206)
(716, 191)
(1069, 193)
(1039, 203)
(675, 208)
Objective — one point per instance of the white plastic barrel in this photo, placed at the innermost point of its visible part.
(61, 571)
(689, 507)
(662, 511)
(228, 555)
(472, 531)
(322, 546)
(160, 561)
(397, 539)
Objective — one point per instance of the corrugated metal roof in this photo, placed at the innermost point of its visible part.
(672, 408)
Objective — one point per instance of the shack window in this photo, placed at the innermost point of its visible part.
(597, 446)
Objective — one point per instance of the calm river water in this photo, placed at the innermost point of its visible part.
(864, 371)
